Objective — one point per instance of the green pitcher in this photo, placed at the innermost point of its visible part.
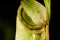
(32, 21)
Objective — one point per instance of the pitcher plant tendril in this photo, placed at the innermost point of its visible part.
(32, 21)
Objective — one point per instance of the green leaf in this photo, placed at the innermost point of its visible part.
(47, 4)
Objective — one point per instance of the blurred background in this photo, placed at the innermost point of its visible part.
(8, 12)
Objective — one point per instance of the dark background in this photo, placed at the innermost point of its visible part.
(8, 12)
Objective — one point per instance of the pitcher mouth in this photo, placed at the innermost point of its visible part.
(32, 27)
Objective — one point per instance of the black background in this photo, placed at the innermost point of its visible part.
(8, 12)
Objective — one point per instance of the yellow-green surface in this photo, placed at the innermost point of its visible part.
(32, 21)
